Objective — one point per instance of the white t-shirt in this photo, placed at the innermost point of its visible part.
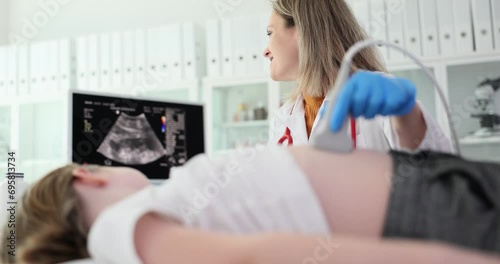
(249, 191)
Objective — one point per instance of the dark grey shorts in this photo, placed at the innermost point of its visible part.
(445, 198)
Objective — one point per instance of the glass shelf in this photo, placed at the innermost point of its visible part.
(246, 124)
(479, 141)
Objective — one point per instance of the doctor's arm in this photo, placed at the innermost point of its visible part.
(410, 128)
(158, 241)
(416, 131)
(368, 94)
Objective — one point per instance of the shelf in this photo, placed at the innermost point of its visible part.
(246, 124)
(181, 95)
(165, 85)
(471, 58)
(474, 57)
(480, 141)
(35, 99)
(223, 82)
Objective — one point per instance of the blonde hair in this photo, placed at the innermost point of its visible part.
(326, 30)
(49, 222)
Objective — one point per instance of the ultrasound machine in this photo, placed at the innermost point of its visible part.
(146, 134)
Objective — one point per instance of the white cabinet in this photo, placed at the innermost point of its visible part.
(164, 62)
(37, 133)
(459, 77)
(463, 79)
(239, 110)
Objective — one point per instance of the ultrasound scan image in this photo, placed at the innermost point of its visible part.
(147, 135)
(132, 141)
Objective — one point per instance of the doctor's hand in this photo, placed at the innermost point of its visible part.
(368, 94)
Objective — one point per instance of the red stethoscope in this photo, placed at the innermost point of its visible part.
(288, 135)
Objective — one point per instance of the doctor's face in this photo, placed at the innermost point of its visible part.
(282, 50)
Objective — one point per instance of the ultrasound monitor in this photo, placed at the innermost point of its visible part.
(146, 134)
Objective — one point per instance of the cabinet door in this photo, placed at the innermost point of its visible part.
(238, 116)
(239, 111)
(42, 141)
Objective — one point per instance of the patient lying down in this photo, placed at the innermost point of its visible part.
(276, 205)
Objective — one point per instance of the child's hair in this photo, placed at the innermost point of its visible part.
(49, 224)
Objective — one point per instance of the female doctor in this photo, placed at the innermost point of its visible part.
(307, 42)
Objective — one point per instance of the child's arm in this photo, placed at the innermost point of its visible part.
(158, 241)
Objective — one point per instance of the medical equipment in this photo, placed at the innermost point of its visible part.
(149, 135)
(324, 138)
(488, 106)
(286, 137)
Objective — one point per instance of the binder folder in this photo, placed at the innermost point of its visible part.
(446, 28)
(378, 25)
(227, 48)
(117, 60)
(94, 72)
(429, 28)
(214, 48)
(82, 58)
(411, 21)
(482, 20)
(395, 28)
(463, 26)
(495, 9)
(105, 62)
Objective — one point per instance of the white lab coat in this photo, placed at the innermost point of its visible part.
(375, 134)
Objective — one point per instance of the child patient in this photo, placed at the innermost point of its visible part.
(272, 205)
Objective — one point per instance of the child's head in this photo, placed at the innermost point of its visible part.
(54, 216)
(49, 225)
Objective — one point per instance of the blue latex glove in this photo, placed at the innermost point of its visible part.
(369, 94)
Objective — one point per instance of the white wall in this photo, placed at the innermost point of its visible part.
(80, 17)
(4, 20)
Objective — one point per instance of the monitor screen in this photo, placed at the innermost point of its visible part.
(149, 135)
